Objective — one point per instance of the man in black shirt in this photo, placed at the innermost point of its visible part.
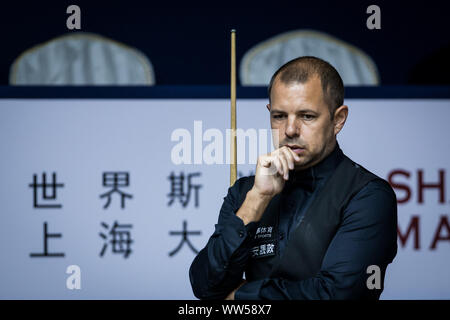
(311, 223)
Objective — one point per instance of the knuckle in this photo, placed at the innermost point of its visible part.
(263, 157)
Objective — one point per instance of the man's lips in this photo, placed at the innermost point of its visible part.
(297, 149)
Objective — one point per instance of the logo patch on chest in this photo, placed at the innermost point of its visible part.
(263, 250)
(264, 242)
(264, 233)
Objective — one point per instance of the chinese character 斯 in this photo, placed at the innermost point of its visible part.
(177, 188)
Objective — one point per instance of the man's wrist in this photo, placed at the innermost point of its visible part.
(253, 206)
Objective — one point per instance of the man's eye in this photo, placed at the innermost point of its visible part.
(278, 116)
(308, 117)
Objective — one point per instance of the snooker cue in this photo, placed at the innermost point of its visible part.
(233, 153)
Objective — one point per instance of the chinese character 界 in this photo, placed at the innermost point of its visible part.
(115, 180)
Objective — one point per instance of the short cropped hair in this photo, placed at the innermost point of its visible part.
(303, 68)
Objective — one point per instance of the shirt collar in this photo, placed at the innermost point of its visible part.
(308, 178)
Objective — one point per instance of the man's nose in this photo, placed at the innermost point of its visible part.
(292, 128)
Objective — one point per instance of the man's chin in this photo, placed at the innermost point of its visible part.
(302, 164)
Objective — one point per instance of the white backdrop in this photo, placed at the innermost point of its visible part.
(82, 139)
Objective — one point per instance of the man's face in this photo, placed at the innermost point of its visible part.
(303, 120)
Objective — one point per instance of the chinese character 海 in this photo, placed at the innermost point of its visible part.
(120, 239)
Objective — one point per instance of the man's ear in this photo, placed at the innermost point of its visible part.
(268, 107)
(340, 115)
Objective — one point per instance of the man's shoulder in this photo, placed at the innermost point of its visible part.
(375, 184)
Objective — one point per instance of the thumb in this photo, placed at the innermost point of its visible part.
(266, 162)
(268, 168)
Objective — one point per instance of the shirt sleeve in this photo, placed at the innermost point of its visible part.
(218, 268)
(367, 236)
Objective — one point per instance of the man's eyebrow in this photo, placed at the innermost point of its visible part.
(307, 110)
(298, 111)
(275, 110)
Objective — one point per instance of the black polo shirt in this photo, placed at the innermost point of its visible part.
(369, 227)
